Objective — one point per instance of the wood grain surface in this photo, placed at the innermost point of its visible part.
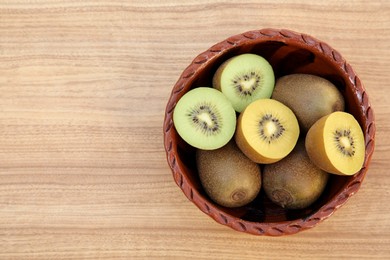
(83, 89)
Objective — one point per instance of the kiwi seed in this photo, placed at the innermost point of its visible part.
(247, 83)
(270, 128)
(344, 142)
(205, 118)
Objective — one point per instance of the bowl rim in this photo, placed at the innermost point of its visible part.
(257, 36)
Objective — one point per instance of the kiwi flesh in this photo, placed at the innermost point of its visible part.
(267, 131)
(335, 143)
(204, 118)
(294, 182)
(228, 176)
(310, 97)
(245, 78)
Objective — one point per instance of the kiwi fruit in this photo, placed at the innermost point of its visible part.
(310, 97)
(267, 131)
(204, 118)
(244, 78)
(294, 182)
(228, 176)
(335, 143)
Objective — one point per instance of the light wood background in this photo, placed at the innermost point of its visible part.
(83, 89)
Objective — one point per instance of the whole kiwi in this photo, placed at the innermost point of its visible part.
(310, 97)
(294, 182)
(228, 176)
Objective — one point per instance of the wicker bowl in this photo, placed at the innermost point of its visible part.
(288, 52)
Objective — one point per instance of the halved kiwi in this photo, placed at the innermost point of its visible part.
(204, 118)
(245, 78)
(267, 131)
(335, 143)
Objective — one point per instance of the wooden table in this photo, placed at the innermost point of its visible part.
(83, 89)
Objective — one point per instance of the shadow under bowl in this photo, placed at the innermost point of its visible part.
(288, 52)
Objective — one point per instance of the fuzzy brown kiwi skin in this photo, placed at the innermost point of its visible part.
(310, 97)
(229, 178)
(294, 182)
(217, 76)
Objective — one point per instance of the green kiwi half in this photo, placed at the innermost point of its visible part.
(245, 78)
(204, 118)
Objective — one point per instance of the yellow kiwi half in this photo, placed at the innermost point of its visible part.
(267, 131)
(335, 143)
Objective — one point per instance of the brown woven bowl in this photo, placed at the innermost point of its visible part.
(288, 52)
